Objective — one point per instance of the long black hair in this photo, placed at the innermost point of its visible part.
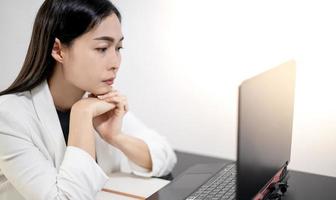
(62, 19)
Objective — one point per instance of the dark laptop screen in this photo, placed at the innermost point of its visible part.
(264, 127)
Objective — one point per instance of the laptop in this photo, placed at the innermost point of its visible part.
(265, 117)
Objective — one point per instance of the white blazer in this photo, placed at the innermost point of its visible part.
(36, 164)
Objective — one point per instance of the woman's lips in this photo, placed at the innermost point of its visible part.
(109, 82)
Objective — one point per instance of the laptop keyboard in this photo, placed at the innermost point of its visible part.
(221, 186)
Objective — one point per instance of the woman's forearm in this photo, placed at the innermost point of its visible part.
(81, 131)
(135, 149)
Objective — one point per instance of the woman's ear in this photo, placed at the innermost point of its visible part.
(57, 51)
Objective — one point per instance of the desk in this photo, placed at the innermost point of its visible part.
(302, 186)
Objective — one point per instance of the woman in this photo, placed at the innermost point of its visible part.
(55, 141)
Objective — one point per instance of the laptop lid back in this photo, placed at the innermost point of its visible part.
(266, 104)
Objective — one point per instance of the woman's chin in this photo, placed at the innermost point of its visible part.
(102, 91)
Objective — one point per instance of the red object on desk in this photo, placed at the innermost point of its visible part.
(266, 189)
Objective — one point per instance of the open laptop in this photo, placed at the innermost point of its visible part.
(265, 116)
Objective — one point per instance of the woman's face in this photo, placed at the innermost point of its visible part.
(92, 61)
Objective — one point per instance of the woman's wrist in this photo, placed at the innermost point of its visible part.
(118, 140)
(80, 110)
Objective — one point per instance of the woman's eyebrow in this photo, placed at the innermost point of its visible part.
(108, 38)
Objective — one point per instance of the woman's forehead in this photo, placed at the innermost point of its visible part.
(109, 27)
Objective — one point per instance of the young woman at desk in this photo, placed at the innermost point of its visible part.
(55, 141)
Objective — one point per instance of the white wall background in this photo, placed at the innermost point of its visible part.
(183, 62)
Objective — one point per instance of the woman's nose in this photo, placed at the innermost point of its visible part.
(113, 68)
(114, 63)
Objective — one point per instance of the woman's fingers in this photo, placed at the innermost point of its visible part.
(120, 101)
(109, 94)
(101, 107)
(92, 95)
(114, 97)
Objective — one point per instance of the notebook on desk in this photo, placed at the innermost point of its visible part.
(265, 116)
(123, 186)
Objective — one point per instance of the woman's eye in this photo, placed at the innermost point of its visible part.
(101, 50)
(118, 48)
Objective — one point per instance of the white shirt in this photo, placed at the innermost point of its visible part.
(35, 162)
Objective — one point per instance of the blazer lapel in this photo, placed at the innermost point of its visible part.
(46, 112)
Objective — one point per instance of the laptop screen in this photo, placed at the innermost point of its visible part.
(265, 120)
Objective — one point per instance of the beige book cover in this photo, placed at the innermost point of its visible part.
(123, 186)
